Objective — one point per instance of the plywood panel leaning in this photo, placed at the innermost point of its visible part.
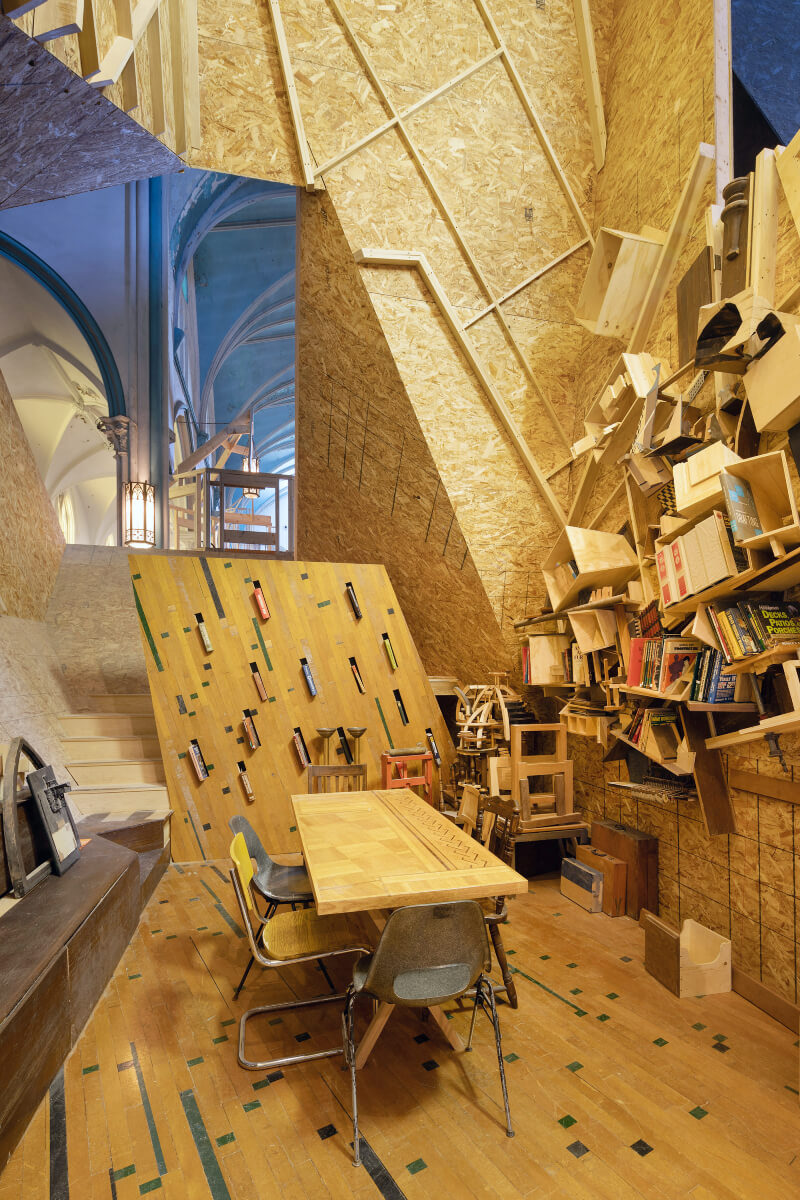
(213, 698)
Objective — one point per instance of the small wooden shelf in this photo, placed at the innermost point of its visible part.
(734, 707)
(651, 693)
(768, 476)
(616, 281)
(760, 662)
(601, 559)
(611, 602)
(666, 764)
(783, 723)
(775, 576)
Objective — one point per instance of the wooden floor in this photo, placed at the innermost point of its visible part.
(617, 1089)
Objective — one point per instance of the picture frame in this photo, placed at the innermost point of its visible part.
(51, 802)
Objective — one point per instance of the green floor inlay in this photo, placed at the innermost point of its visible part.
(217, 1041)
(208, 1158)
(574, 1066)
(389, 739)
(138, 975)
(260, 1083)
(698, 1113)
(720, 1037)
(567, 1121)
(230, 1021)
(226, 1138)
(660, 1042)
(575, 991)
(251, 1105)
(604, 1017)
(612, 996)
(194, 1062)
(262, 643)
(148, 1112)
(511, 1058)
(88, 1070)
(418, 1164)
(152, 1185)
(123, 1173)
(148, 635)
(698, 1026)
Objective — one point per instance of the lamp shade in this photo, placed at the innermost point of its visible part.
(251, 464)
(139, 517)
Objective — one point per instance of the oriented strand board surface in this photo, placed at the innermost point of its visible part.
(31, 542)
(367, 483)
(203, 695)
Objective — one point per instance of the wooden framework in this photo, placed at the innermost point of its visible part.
(591, 78)
(404, 258)
(134, 51)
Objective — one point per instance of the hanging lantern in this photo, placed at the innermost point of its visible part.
(139, 515)
(251, 464)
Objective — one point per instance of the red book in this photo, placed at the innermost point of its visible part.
(635, 661)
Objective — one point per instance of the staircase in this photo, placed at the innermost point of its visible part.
(112, 753)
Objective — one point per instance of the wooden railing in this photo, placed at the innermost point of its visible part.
(208, 511)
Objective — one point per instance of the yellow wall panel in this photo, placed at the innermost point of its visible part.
(203, 695)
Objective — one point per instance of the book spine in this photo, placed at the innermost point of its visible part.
(714, 618)
(748, 617)
(742, 632)
(714, 681)
(734, 645)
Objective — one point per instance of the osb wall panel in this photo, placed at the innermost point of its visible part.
(32, 692)
(484, 157)
(31, 542)
(745, 886)
(93, 627)
(202, 695)
(51, 118)
(367, 483)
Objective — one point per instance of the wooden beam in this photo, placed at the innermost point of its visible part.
(764, 785)
(191, 71)
(14, 9)
(369, 138)
(591, 79)
(57, 18)
(533, 117)
(764, 240)
(112, 63)
(402, 258)
(153, 35)
(202, 452)
(176, 77)
(670, 252)
(518, 287)
(723, 105)
(306, 163)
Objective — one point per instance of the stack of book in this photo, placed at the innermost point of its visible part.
(753, 625)
(654, 731)
(664, 665)
(709, 685)
(697, 559)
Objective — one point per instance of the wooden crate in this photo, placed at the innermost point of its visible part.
(639, 852)
(619, 274)
(600, 559)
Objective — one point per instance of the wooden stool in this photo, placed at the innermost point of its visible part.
(523, 765)
(400, 761)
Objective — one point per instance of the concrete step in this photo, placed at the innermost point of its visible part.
(130, 702)
(152, 866)
(132, 771)
(107, 724)
(120, 799)
(96, 749)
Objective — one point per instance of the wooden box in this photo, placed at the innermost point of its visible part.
(697, 485)
(772, 383)
(546, 661)
(694, 962)
(639, 852)
(771, 485)
(582, 884)
(586, 558)
(615, 877)
(594, 629)
(619, 273)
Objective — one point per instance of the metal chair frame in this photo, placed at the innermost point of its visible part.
(255, 938)
(416, 951)
(266, 882)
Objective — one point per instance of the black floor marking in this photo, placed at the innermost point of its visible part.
(378, 1173)
(59, 1168)
(212, 587)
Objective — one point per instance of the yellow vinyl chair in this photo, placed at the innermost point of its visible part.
(288, 938)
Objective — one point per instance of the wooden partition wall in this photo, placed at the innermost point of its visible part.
(202, 695)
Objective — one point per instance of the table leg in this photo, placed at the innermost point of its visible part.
(374, 1030)
(499, 949)
(446, 1027)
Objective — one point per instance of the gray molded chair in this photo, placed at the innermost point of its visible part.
(275, 884)
(428, 954)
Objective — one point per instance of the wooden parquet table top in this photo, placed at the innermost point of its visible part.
(384, 849)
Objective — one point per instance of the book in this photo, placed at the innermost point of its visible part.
(743, 634)
(780, 621)
(635, 658)
(666, 576)
(661, 736)
(723, 686)
(736, 648)
(741, 506)
(677, 664)
(683, 579)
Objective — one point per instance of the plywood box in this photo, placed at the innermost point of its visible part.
(586, 558)
(582, 884)
(697, 484)
(694, 962)
(619, 274)
(773, 495)
(546, 658)
(772, 383)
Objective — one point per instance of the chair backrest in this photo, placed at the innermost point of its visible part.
(241, 878)
(468, 805)
(500, 774)
(345, 778)
(506, 827)
(429, 953)
(255, 849)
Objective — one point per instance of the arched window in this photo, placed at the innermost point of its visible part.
(66, 517)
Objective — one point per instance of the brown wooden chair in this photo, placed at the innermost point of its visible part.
(504, 832)
(340, 778)
(466, 815)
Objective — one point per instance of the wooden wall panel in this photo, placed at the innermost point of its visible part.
(310, 617)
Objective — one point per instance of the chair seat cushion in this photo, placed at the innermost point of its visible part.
(295, 934)
(286, 885)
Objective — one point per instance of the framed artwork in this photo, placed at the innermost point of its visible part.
(50, 797)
